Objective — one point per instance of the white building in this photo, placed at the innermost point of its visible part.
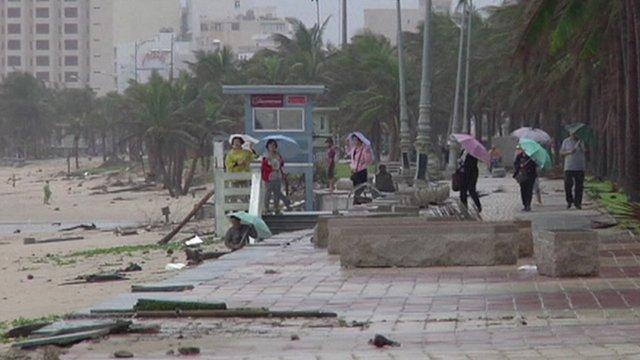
(384, 21)
(245, 34)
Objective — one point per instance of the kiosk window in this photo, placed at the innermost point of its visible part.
(287, 119)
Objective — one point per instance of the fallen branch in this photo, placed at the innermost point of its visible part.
(82, 226)
(184, 222)
(32, 241)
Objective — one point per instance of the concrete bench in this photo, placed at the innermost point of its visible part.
(565, 253)
(430, 244)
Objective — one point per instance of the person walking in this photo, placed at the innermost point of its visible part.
(272, 175)
(361, 158)
(573, 150)
(239, 159)
(47, 192)
(468, 168)
(526, 174)
(495, 157)
(332, 152)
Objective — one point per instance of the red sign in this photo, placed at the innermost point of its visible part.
(297, 100)
(267, 100)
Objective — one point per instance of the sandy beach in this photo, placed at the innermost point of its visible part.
(30, 285)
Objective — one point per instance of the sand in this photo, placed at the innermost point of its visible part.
(22, 208)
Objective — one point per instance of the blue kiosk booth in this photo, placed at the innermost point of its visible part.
(283, 110)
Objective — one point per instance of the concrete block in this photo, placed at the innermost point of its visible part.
(525, 240)
(565, 253)
(321, 233)
(432, 244)
(344, 184)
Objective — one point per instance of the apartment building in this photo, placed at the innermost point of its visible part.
(47, 38)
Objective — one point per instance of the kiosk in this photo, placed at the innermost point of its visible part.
(283, 110)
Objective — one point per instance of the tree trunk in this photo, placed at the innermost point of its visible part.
(76, 140)
(633, 105)
(104, 146)
(190, 175)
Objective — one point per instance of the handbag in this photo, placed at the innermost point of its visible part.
(456, 180)
(522, 176)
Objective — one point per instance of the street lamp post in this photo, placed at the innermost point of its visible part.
(423, 141)
(455, 118)
(405, 135)
(344, 23)
(465, 114)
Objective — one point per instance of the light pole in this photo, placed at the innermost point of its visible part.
(344, 24)
(423, 141)
(318, 13)
(405, 136)
(455, 118)
(465, 114)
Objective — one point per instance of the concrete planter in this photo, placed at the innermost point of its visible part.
(565, 253)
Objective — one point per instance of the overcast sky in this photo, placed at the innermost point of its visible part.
(306, 11)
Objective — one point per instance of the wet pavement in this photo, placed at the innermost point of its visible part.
(450, 312)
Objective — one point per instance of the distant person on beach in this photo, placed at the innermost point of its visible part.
(47, 192)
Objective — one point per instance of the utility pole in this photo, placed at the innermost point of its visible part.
(455, 119)
(423, 140)
(345, 36)
(405, 136)
(172, 58)
(465, 114)
(318, 13)
(135, 61)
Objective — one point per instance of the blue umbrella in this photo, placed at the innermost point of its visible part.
(287, 147)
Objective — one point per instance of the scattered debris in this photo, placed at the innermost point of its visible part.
(169, 252)
(382, 341)
(189, 350)
(25, 330)
(62, 340)
(92, 226)
(528, 268)
(175, 266)
(132, 267)
(170, 352)
(125, 232)
(194, 241)
(166, 212)
(94, 278)
(161, 288)
(168, 305)
(122, 354)
(32, 241)
(144, 329)
(17, 231)
(195, 209)
(295, 337)
(195, 257)
(29, 277)
(271, 272)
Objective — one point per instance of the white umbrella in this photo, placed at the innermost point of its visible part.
(246, 138)
(537, 135)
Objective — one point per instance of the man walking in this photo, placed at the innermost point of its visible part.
(47, 192)
(573, 150)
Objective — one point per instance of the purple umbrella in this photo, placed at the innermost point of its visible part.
(473, 147)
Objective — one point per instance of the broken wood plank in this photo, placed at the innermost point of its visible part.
(32, 241)
(62, 340)
(184, 222)
(81, 226)
(125, 232)
(235, 313)
(96, 278)
(160, 288)
(63, 327)
(168, 305)
(25, 330)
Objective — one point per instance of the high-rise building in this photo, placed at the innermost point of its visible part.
(47, 38)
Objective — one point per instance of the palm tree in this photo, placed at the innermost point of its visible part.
(74, 108)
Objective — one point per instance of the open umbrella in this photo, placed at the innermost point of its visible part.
(247, 219)
(536, 152)
(287, 147)
(360, 136)
(247, 140)
(473, 147)
(583, 132)
(537, 135)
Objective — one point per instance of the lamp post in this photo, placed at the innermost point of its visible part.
(455, 118)
(405, 135)
(344, 24)
(423, 141)
(465, 113)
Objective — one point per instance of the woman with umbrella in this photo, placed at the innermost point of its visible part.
(472, 151)
(272, 175)
(525, 172)
(239, 159)
(361, 158)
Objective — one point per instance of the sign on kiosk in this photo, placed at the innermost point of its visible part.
(267, 100)
(296, 100)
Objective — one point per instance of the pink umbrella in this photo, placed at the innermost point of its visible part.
(473, 147)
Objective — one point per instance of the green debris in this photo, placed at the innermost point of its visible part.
(168, 305)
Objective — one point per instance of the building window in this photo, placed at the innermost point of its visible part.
(70, 60)
(287, 119)
(235, 26)
(70, 28)
(13, 45)
(42, 61)
(204, 27)
(70, 76)
(217, 26)
(71, 44)
(14, 29)
(42, 28)
(42, 44)
(13, 13)
(42, 76)
(14, 61)
(42, 13)
(71, 12)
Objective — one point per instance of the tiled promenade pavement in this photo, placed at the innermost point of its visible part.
(449, 313)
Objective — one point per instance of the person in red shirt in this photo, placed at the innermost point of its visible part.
(272, 175)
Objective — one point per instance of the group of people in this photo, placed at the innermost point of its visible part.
(239, 159)
(526, 174)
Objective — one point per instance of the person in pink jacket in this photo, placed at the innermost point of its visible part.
(361, 158)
